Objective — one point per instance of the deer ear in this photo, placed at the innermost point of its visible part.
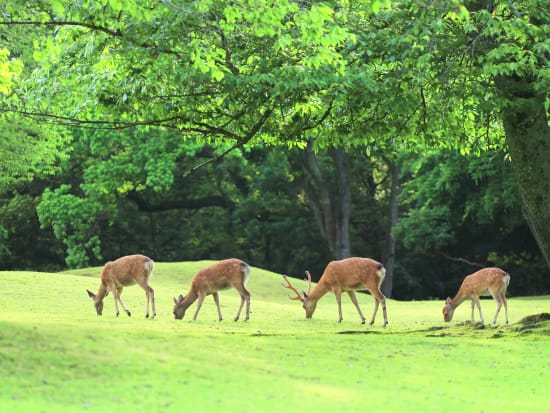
(175, 301)
(448, 301)
(90, 294)
(180, 298)
(304, 294)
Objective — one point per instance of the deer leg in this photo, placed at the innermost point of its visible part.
(153, 302)
(245, 297)
(217, 301)
(240, 308)
(117, 297)
(353, 298)
(116, 302)
(500, 298)
(199, 305)
(384, 311)
(476, 301)
(150, 294)
(112, 287)
(379, 299)
(376, 303)
(338, 295)
(499, 305)
(503, 296)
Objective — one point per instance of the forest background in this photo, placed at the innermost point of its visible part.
(285, 133)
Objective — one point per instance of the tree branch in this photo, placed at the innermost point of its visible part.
(111, 32)
(464, 260)
(169, 122)
(94, 27)
(240, 142)
(175, 204)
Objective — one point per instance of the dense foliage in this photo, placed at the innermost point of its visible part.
(287, 133)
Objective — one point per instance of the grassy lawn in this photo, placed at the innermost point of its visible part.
(56, 355)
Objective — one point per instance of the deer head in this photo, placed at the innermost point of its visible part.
(307, 304)
(448, 310)
(97, 303)
(179, 307)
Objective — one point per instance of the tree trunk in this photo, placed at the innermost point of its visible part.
(528, 138)
(344, 205)
(389, 262)
(331, 208)
(319, 197)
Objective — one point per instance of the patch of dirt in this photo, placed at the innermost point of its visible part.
(476, 325)
(532, 322)
(535, 318)
(436, 328)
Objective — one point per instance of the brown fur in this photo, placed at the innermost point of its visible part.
(219, 276)
(348, 275)
(492, 280)
(123, 272)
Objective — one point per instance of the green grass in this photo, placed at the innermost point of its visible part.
(56, 355)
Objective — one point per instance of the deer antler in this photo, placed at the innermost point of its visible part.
(289, 286)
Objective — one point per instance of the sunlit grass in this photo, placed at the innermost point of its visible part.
(57, 355)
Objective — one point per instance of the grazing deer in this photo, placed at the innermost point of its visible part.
(219, 276)
(494, 280)
(123, 272)
(346, 275)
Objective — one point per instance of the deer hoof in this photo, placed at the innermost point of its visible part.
(129, 314)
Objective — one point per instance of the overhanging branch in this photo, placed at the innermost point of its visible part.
(248, 137)
(169, 122)
(111, 32)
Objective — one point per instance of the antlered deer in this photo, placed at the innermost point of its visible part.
(123, 272)
(347, 275)
(494, 280)
(219, 276)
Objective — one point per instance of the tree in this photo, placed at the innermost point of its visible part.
(508, 42)
(461, 213)
(469, 65)
(212, 69)
(401, 74)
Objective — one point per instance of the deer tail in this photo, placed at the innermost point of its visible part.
(245, 268)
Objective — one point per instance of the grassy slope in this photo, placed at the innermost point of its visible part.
(57, 355)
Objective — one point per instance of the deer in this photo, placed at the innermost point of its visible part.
(494, 280)
(347, 275)
(123, 272)
(219, 276)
